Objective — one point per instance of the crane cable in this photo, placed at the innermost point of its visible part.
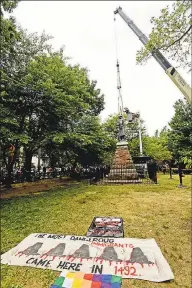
(120, 99)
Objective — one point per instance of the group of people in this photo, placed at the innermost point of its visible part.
(93, 173)
(20, 174)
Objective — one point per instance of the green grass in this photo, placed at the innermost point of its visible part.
(149, 211)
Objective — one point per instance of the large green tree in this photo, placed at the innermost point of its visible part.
(88, 143)
(41, 95)
(50, 98)
(180, 135)
(16, 97)
(8, 38)
(157, 148)
(171, 33)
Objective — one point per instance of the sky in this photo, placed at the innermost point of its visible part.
(86, 29)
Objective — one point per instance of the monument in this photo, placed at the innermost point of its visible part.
(122, 170)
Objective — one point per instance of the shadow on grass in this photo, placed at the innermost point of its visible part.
(68, 188)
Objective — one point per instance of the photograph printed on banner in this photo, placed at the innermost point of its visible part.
(106, 227)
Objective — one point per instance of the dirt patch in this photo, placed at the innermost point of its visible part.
(35, 187)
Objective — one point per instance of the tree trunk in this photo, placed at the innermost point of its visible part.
(27, 164)
(10, 163)
(8, 180)
(52, 161)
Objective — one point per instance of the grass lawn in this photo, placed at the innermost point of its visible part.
(149, 211)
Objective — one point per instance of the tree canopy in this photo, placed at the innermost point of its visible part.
(171, 33)
(45, 102)
(180, 134)
(8, 5)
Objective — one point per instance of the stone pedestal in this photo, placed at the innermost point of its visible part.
(123, 169)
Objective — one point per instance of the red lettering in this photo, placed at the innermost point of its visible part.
(121, 245)
(129, 245)
(120, 270)
(133, 271)
(127, 270)
(98, 244)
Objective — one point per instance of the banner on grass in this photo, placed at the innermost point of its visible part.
(125, 257)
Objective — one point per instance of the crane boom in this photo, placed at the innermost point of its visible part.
(164, 63)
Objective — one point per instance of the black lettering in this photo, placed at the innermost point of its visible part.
(73, 238)
(88, 239)
(55, 236)
(96, 239)
(78, 267)
(48, 263)
(42, 262)
(40, 235)
(100, 240)
(97, 269)
(34, 261)
(72, 266)
(82, 238)
(61, 264)
(106, 240)
(29, 260)
(65, 265)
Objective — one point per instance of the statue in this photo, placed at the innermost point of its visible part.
(121, 134)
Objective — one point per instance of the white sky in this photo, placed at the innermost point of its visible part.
(86, 28)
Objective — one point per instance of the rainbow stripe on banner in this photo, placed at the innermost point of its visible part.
(82, 280)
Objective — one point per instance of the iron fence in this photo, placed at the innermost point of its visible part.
(118, 174)
(130, 174)
(29, 176)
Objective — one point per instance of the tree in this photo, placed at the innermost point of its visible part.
(171, 33)
(16, 54)
(41, 96)
(180, 134)
(8, 5)
(157, 148)
(51, 99)
(88, 143)
(8, 37)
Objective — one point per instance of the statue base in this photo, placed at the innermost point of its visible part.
(122, 143)
(123, 170)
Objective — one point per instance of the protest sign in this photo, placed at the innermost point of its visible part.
(125, 257)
